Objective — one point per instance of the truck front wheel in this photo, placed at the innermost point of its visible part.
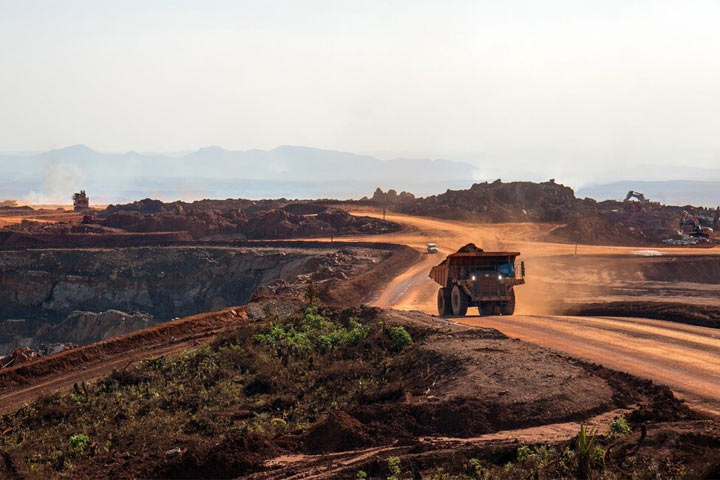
(443, 302)
(459, 300)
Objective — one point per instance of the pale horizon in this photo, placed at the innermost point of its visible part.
(454, 80)
(582, 93)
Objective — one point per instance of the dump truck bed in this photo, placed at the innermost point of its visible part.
(470, 260)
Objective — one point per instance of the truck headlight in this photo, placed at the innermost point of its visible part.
(499, 277)
(473, 278)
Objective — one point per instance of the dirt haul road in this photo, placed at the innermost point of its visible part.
(684, 357)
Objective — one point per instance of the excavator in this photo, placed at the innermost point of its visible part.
(636, 195)
(692, 226)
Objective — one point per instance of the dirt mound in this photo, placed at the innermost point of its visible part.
(152, 222)
(273, 223)
(582, 220)
(498, 202)
(265, 219)
(337, 433)
(470, 248)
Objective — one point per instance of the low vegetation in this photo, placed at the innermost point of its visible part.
(257, 383)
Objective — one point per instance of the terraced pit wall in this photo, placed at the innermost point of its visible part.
(40, 288)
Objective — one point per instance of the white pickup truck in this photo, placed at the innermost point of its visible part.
(432, 248)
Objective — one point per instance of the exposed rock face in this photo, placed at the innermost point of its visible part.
(88, 327)
(42, 290)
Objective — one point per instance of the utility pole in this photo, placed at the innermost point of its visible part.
(383, 214)
(576, 248)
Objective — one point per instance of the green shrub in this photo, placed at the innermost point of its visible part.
(477, 470)
(400, 338)
(394, 468)
(78, 443)
(539, 455)
(523, 452)
(312, 333)
(619, 427)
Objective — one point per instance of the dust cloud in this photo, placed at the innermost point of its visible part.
(60, 180)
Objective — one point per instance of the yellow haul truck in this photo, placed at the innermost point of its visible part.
(472, 277)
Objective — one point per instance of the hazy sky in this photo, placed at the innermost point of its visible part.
(458, 79)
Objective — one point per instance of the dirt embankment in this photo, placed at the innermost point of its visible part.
(702, 315)
(79, 359)
(361, 288)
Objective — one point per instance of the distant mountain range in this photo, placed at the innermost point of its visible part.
(213, 172)
(669, 192)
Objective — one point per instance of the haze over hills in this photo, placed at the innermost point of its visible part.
(304, 172)
(286, 171)
(669, 192)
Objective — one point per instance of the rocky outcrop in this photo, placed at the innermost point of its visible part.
(390, 198)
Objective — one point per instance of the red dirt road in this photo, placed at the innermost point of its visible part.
(684, 357)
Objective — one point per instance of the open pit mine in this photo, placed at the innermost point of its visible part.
(334, 339)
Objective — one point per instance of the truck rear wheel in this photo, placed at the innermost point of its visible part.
(443, 302)
(459, 301)
(508, 308)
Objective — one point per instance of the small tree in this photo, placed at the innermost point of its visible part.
(311, 293)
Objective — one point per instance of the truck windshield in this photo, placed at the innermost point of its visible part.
(507, 269)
